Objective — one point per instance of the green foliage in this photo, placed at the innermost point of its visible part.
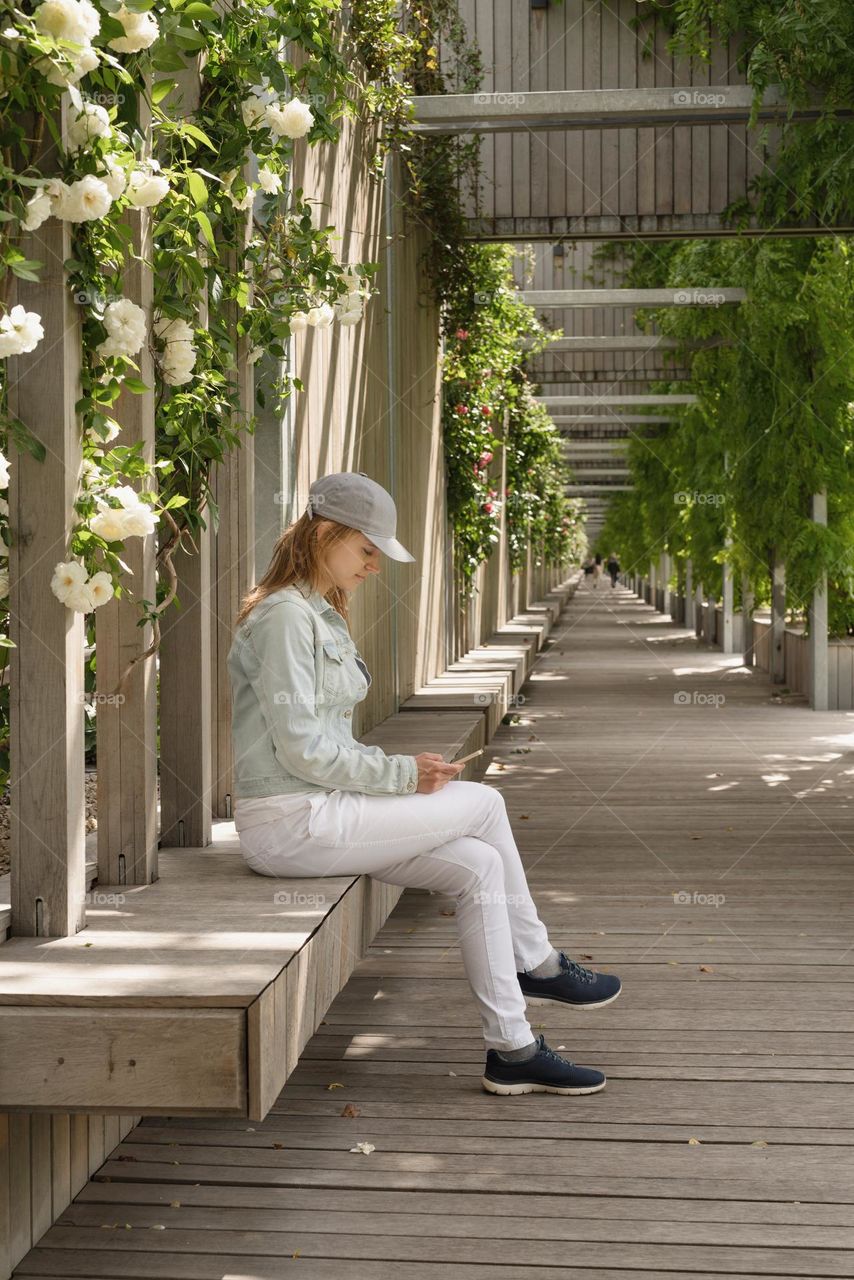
(487, 403)
(774, 423)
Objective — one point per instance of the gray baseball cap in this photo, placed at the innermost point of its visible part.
(354, 499)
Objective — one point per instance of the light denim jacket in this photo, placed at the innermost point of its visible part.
(295, 678)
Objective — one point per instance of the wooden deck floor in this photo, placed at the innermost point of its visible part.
(700, 848)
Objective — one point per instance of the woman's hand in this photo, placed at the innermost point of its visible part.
(434, 771)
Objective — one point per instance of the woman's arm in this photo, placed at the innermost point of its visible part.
(280, 659)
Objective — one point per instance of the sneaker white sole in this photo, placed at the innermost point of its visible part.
(599, 1004)
(528, 1086)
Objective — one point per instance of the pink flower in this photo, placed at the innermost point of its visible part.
(487, 507)
(484, 459)
(461, 333)
(485, 409)
(462, 408)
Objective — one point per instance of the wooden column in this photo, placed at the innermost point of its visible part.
(747, 604)
(778, 620)
(46, 687)
(233, 558)
(688, 595)
(127, 725)
(726, 637)
(818, 621)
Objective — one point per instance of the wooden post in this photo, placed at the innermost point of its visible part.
(747, 604)
(726, 637)
(233, 556)
(688, 619)
(778, 620)
(185, 644)
(818, 621)
(127, 728)
(46, 686)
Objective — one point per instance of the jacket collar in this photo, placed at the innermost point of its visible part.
(317, 601)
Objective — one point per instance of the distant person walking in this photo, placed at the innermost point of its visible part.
(597, 569)
(613, 567)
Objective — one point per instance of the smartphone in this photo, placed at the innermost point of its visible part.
(470, 756)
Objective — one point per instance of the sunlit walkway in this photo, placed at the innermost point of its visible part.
(681, 828)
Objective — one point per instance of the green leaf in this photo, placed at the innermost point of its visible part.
(198, 189)
(161, 89)
(196, 9)
(207, 230)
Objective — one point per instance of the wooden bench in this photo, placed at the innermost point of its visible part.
(194, 995)
(487, 677)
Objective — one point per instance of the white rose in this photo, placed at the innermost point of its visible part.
(115, 179)
(293, 120)
(141, 30)
(140, 520)
(321, 317)
(74, 20)
(4, 583)
(81, 64)
(146, 189)
(82, 201)
(126, 329)
(255, 354)
(4, 471)
(297, 321)
(92, 122)
(253, 109)
(173, 329)
(67, 576)
(109, 522)
(100, 588)
(38, 211)
(20, 332)
(270, 182)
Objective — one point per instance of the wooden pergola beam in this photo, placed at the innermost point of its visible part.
(590, 402)
(711, 295)
(640, 342)
(509, 111)
(581, 490)
(616, 419)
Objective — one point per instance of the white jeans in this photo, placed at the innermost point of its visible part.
(456, 840)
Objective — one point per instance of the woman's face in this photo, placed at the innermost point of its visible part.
(352, 560)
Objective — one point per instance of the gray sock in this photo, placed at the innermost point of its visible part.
(518, 1055)
(549, 968)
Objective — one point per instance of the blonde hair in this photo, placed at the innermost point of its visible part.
(298, 556)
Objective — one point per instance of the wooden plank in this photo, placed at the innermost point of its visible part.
(124, 1061)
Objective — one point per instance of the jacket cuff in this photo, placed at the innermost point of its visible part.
(409, 779)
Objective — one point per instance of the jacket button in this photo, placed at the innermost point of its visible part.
(348, 713)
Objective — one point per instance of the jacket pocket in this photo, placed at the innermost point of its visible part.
(338, 681)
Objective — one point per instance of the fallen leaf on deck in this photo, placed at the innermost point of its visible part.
(365, 1147)
(335, 1086)
(350, 1109)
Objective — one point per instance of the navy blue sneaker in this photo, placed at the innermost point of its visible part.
(545, 1072)
(574, 985)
